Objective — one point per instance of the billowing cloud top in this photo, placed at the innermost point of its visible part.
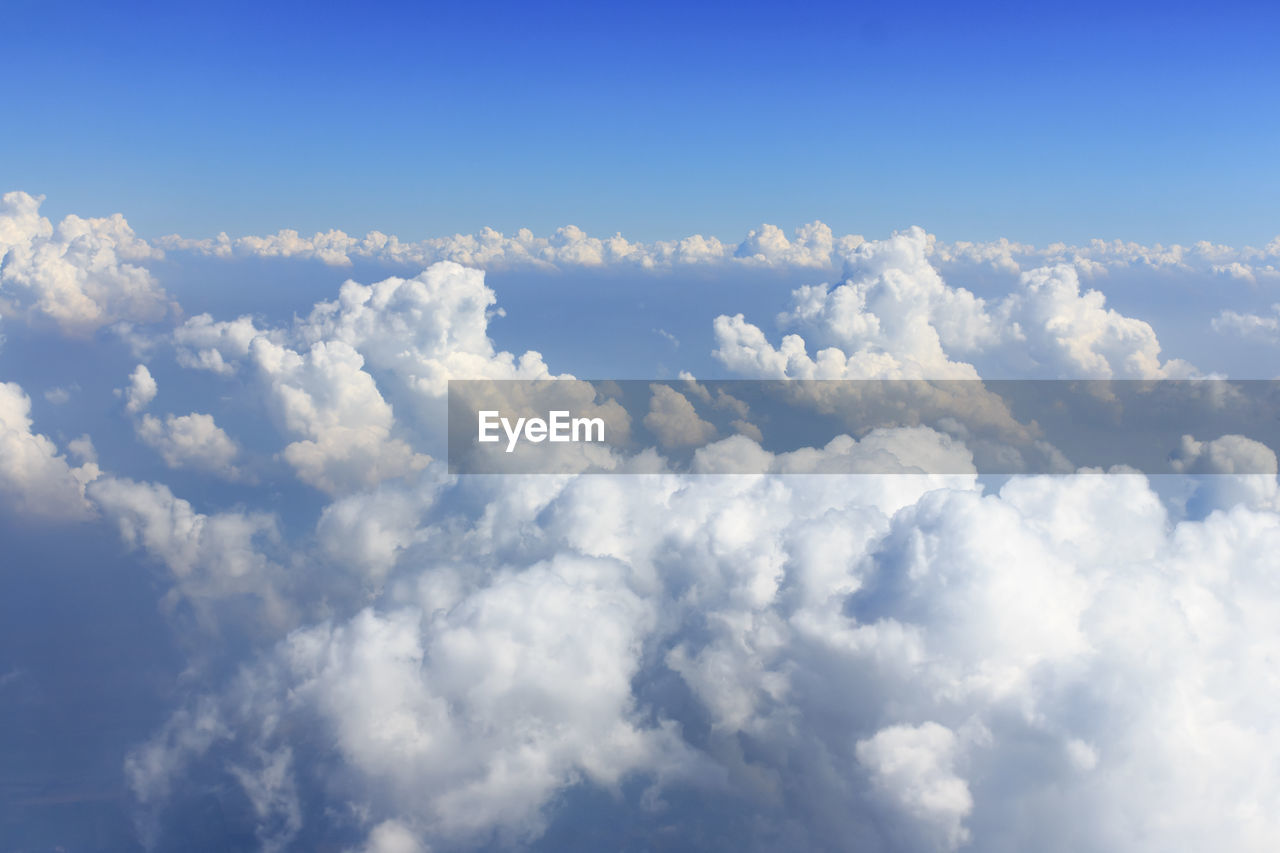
(373, 655)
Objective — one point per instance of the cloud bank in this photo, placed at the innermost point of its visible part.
(382, 657)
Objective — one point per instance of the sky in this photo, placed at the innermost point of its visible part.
(1035, 122)
(245, 249)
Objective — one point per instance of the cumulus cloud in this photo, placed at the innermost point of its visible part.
(468, 714)
(141, 390)
(913, 766)
(814, 245)
(345, 426)
(317, 377)
(891, 318)
(368, 532)
(36, 480)
(1229, 470)
(1073, 334)
(209, 556)
(895, 317)
(910, 450)
(202, 343)
(867, 658)
(191, 441)
(904, 661)
(426, 330)
(673, 419)
(899, 662)
(82, 275)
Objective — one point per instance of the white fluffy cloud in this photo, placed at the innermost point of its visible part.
(141, 390)
(673, 419)
(191, 441)
(466, 714)
(318, 377)
(870, 658)
(1070, 334)
(895, 317)
(368, 532)
(426, 330)
(81, 275)
(325, 397)
(219, 346)
(35, 479)
(209, 556)
(913, 766)
(882, 662)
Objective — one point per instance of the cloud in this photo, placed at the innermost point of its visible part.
(82, 275)
(567, 246)
(268, 784)
(345, 426)
(58, 396)
(209, 556)
(1229, 454)
(141, 391)
(317, 377)
(910, 450)
(1229, 472)
(895, 317)
(1246, 325)
(811, 246)
(891, 318)
(191, 441)
(87, 273)
(761, 662)
(903, 661)
(369, 532)
(913, 766)
(35, 480)
(1073, 334)
(425, 330)
(392, 836)
(466, 715)
(202, 343)
(674, 421)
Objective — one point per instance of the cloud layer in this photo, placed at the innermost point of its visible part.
(811, 246)
(386, 658)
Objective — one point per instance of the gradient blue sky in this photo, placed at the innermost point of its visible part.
(1037, 122)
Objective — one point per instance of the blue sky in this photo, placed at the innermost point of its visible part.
(1036, 122)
